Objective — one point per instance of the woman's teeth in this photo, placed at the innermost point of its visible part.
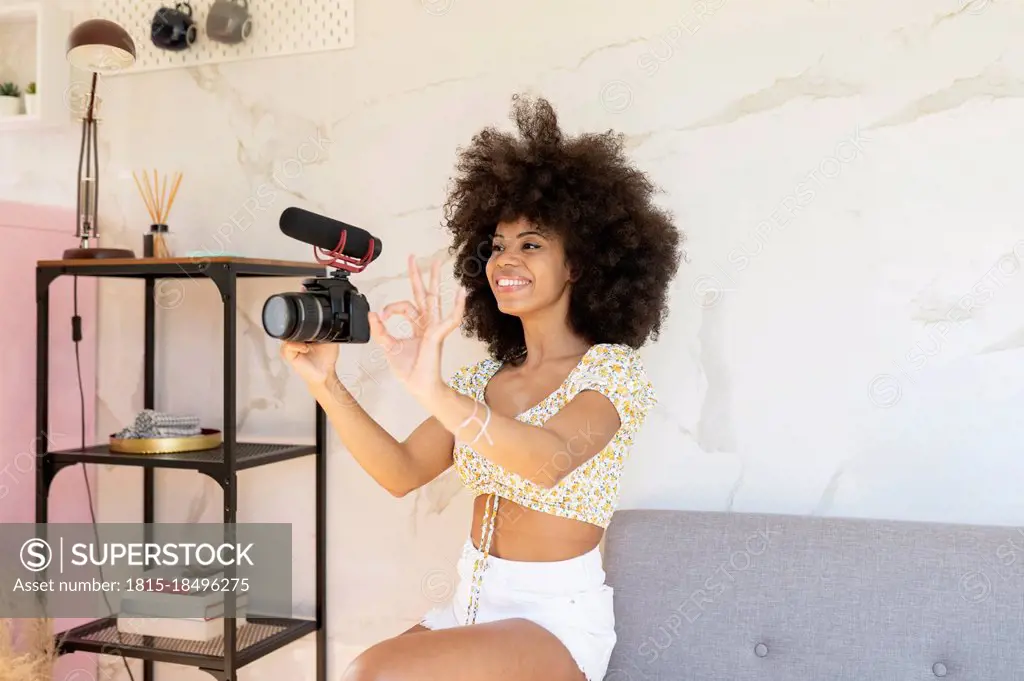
(512, 283)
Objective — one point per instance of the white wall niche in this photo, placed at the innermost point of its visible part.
(33, 36)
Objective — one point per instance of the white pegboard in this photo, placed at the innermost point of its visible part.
(279, 28)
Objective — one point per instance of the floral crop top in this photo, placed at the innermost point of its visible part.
(590, 492)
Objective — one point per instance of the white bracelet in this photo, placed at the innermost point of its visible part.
(472, 418)
(483, 428)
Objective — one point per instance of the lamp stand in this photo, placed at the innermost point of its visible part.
(87, 227)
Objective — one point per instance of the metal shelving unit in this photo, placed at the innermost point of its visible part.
(237, 647)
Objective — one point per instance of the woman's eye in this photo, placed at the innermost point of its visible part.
(531, 245)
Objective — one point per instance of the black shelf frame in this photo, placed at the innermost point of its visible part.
(238, 646)
(95, 637)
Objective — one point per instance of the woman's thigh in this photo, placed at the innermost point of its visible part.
(415, 629)
(507, 650)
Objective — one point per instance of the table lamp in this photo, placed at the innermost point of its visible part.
(97, 46)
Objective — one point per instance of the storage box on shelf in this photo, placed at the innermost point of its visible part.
(237, 647)
(32, 42)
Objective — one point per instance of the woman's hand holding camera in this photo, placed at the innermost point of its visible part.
(416, 360)
(314, 362)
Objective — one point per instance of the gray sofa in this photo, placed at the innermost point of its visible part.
(703, 596)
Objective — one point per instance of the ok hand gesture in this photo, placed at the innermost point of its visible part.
(416, 360)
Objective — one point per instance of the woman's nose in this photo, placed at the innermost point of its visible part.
(506, 259)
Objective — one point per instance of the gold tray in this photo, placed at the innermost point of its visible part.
(208, 439)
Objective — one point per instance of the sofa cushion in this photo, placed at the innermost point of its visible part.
(706, 596)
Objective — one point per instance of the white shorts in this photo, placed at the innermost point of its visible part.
(568, 598)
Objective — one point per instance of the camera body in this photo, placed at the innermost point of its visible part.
(328, 310)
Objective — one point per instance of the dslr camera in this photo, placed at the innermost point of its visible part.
(329, 309)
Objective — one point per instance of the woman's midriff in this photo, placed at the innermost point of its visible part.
(524, 534)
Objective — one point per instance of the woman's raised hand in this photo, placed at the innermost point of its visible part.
(416, 359)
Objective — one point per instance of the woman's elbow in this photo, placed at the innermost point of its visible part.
(399, 492)
(557, 468)
(548, 477)
(406, 487)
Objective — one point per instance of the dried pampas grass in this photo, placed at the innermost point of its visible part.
(27, 650)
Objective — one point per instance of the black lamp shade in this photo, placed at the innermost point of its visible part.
(100, 46)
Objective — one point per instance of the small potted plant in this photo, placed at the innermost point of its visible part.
(31, 103)
(10, 99)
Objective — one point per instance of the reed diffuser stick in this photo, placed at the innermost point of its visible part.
(149, 206)
(150, 196)
(158, 195)
(174, 192)
(161, 193)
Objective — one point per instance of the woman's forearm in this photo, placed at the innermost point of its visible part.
(383, 457)
(530, 451)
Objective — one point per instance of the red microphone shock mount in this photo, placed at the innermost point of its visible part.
(337, 258)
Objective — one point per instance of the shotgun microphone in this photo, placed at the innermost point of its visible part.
(329, 309)
(334, 237)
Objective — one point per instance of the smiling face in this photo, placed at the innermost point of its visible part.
(527, 270)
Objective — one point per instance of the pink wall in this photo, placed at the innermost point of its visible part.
(29, 233)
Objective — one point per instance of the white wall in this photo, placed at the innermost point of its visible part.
(846, 339)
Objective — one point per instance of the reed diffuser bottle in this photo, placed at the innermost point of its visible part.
(157, 243)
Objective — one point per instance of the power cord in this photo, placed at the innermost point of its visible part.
(76, 336)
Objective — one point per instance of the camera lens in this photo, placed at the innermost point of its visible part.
(300, 317)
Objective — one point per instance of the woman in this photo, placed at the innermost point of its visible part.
(565, 265)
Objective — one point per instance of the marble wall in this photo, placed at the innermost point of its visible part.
(846, 338)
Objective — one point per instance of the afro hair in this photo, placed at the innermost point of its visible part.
(622, 248)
